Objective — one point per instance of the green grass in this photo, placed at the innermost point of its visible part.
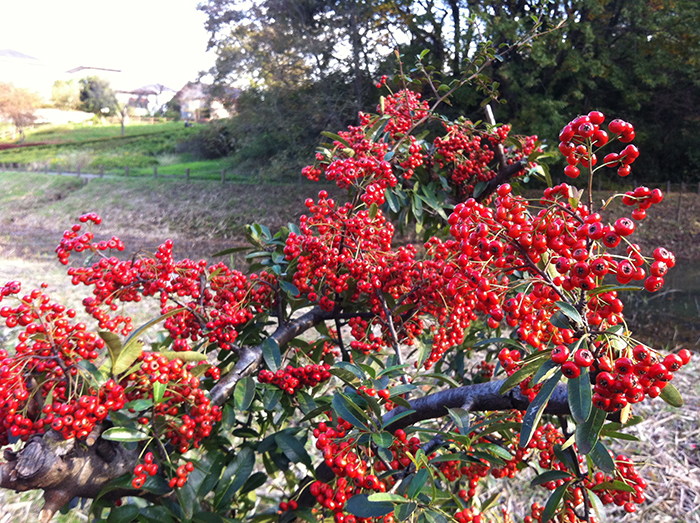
(90, 146)
(81, 132)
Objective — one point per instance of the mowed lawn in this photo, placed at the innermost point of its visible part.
(89, 147)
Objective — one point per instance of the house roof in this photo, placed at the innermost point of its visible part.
(84, 68)
(9, 53)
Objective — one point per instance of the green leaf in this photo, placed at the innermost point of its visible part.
(292, 448)
(403, 512)
(335, 138)
(271, 354)
(519, 375)
(570, 311)
(671, 396)
(133, 337)
(598, 506)
(341, 405)
(244, 393)
(129, 354)
(580, 396)
(534, 411)
(373, 211)
(553, 502)
(186, 355)
(398, 417)
(392, 200)
(461, 419)
(545, 371)
(387, 496)
(158, 392)
(479, 188)
(587, 433)
(123, 514)
(601, 457)
(417, 483)
(124, 434)
(382, 439)
(306, 402)
(240, 470)
(255, 481)
(351, 367)
(231, 250)
(550, 475)
(615, 485)
(289, 288)
(360, 506)
(207, 517)
(113, 342)
(559, 320)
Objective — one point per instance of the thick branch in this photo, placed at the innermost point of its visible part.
(480, 397)
(65, 469)
(250, 358)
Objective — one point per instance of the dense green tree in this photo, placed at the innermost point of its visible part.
(65, 94)
(636, 58)
(96, 94)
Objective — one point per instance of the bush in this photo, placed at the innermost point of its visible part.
(342, 376)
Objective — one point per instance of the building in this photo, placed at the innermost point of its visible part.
(198, 103)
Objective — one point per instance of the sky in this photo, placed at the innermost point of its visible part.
(150, 41)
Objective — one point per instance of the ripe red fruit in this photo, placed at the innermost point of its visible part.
(570, 370)
(653, 283)
(596, 117)
(572, 171)
(560, 354)
(583, 358)
(624, 227)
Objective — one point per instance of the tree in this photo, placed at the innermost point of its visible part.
(18, 105)
(65, 95)
(395, 409)
(96, 95)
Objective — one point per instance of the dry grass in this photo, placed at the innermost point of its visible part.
(203, 218)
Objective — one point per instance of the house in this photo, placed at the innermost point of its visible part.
(198, 103)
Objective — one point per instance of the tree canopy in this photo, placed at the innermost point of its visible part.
(18, 106)
(633, 57)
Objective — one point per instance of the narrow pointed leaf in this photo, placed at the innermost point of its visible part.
(244, 393)
(342, 408)
(461, 419)
(587, 433)
(601, 457)
(671, 395)
(570, 311)
(534, 411)
(580, 396)
(271, 354)
(553, 503)
(550, 475)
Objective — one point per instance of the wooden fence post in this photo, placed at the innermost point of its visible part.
(680, 200)
(187, 174)
(668, 186)
(126, 171)
(155, 172)
(102, 171)
(78, 173)
(46, 168)
(60, 169)
(223, 175)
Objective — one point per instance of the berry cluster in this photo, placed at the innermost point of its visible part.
(142, 471)
(181, 475)
(583, 133)
(467, 152)
(183, 426)
(292, 379)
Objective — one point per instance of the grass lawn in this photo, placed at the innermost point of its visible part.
(67, 147)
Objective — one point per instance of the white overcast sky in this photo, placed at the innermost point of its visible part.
(151, 41)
